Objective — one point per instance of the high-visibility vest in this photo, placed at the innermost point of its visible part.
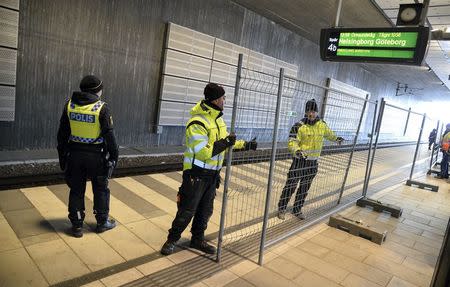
(205, 126)
(84, 122)
(309, 139)
(446, 142)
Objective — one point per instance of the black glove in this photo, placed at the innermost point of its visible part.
(110, 164)
(218, 179)
(62, 163)
(339, 140)
(251, 145)
(300, 154)
(231, 139)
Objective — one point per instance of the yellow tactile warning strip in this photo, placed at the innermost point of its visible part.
(324, 256)
(322, 246)
(34, 237)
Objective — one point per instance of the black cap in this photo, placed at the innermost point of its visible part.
(91, 83)
(213, 91)
(311, 105)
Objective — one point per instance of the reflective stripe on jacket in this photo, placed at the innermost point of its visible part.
(309, 138)
(205, 126)
(84, 122)
(446, 142)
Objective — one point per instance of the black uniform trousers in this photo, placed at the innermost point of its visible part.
(302, 171)
(195, 199)
(81, 166)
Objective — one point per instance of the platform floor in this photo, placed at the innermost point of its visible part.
(324, 256)
(35, 249)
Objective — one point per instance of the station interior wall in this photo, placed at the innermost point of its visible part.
(122, 43)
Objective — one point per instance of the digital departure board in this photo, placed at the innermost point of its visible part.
(400, 45)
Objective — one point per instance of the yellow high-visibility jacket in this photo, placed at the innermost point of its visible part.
(308, 138)
(84, 122)
(446, 142)
(205, 126)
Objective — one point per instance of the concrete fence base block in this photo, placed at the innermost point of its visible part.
(394, 210)
(358, 228)
(422, 185)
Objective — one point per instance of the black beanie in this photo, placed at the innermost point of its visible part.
(311, 105)
(213, 91)
(91, 84)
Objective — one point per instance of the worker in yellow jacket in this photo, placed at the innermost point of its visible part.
(207, 140)
(305, 144)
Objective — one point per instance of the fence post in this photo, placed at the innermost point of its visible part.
(370, 149)
(272, 166)
(432, 161)
(229, 157)
(407, 120)
(377, 131)
(353, 149)
(324, 100)
(417, 146)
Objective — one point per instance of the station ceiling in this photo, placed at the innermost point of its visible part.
(307, 17)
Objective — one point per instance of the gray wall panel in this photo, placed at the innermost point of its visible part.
(13, 4)
(9, 24)
(122, 42)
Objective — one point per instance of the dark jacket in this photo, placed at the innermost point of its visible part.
(432, 136)
(106, 124)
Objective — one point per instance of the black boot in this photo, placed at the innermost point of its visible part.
(299, 215)
(202, 245)
(102, 227)
(168, 247)
(77, 231)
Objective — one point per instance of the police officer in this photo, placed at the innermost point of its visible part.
(207, 140)
(445, 143)
(87, 149)
(305, 143)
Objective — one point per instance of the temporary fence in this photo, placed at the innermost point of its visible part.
(289, 183)
(435, 150)
(253, 117)
(259, 185)
(402, 129)
(315, 179)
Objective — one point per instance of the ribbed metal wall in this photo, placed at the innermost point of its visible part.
(9, 26)
(122, 42)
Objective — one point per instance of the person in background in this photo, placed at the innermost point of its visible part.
(432, 138)
(87, 149)
(207, 140)
(445, 144)
(305, 144)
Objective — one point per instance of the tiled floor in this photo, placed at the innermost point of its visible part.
(35, 249)
(324, 256)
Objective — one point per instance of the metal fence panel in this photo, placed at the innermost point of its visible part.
(247, 188)
(308, 188)
(272, 193)
(394, 148)
(248, 184)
